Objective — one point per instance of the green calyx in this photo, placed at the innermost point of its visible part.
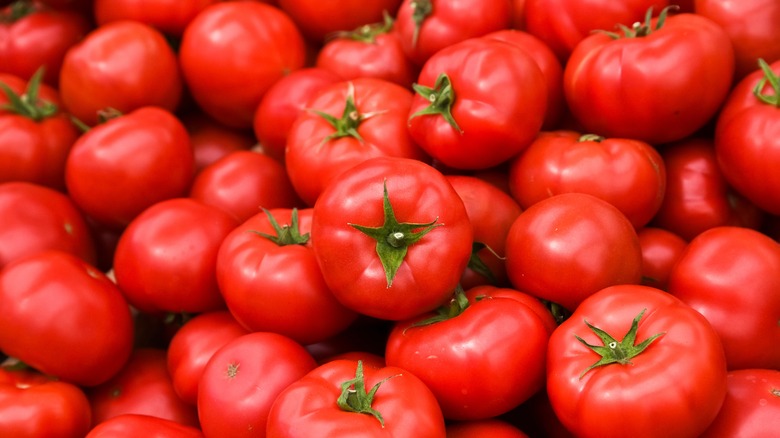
(288, 234)
(29, 104)
(393, 238)
(638, 29)
(355, 398)
(18, 10)
(769, 76)
(477, 265)
(591, 137)
(614, 351)
(367, 33)
(421, 9)
(346, 125)
(441, 98)
(457, 305)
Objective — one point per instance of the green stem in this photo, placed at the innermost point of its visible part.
(769, 76)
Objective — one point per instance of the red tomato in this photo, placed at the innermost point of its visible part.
(283, 102)
(478, 103)
(626, 354)
(731, 276)
(32, 404)
(647, 84)
(567, 247)
(427, 26)
(255, 265)
(135, 425)
(243, 378)
(752, 405)
(629, 174)
(319, 20)
(392, 237)
(232, 52)
(344, 397)
(143, 386)
(123, 166)
(124, 65)
(34, 218)
(660, 251)
(165, 260)
(492, 427)
(459, 350)
(212, 140)
(347, 123)
(168, 16)
(64, 317)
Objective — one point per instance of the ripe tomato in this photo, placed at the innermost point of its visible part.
(752, 405)
(344, 397)
(567, 247)
(392, 237)
(134, 425)
(212, 140)
(319, 20)
(232, 52)
(640, 357)
(660, 251)
(492, 427)
(64, 318)
(168, 16)
(124, 65)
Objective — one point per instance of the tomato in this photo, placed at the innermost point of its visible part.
(242, 379)
(646, 83)
(347, 123)
(427, 26)
(232, 52)
(639, 357)
(123, 166)
(284, 101)
(392, 237)
(751, 26)
(124, 65)
(320, 20)
(242, 183)
(211, 140)
(344, 397)
(170, 17)
(731, 276)
(32, 404)
(492, 427)
(134, 425)
(752, 405)
(478, 103)
(35, 218)
(255, 264)
(660, 251)
(697, 195)
(562, 24)
(567, 247)
(459, 350)
(64, 318)
(627, 173)
(165, 259)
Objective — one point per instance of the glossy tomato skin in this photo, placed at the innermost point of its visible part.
(123, 166)
(658, 95)
(165, 259)
(308, 406)
(123, 65)
(459, 358)
(629, 174)
(492, 427)
(752, 405)
(318, 20)
(64, 317)
(169, 16)
(232, 52)
(431, 267)
(254, 274)
(661, 249)
(636, 397)
(242, 379)
(567, 247)
(731, 275)
(133, 425)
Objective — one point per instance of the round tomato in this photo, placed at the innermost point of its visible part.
(660, 251)
(320, 20)
(752, 405)
(168, 16)
(492, 427)
(134, 425)
(212, 140)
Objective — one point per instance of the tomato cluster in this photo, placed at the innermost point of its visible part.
(395, 218)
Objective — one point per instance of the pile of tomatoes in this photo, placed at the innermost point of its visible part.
(395, 218)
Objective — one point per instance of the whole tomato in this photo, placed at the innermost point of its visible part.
(566, 247)
(645, 81)
(121, 167)
(320, 20)
(629, 174)
(731, 276)
(211, 140)
(243, 378)
(661, 249)
(232, 52)
(134, 425)
(459, 350)
(640, 357)
(165, 260)
(392, 237)
(64, 318)
(124, 65)
(345, 397)
(751, 407)
(478, 103)
(168, 16)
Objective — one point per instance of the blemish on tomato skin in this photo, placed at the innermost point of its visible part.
(232, 370)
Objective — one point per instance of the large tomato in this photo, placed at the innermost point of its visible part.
(646, 81)
(392, 237)
(135, 425)
(752, 405)
(635, 361)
